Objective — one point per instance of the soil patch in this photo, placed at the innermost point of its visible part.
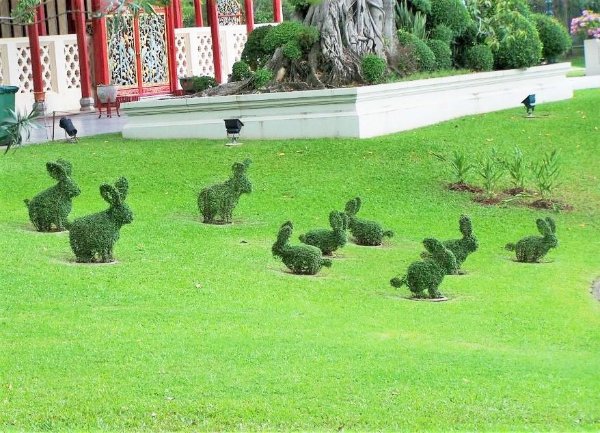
(461, 186)
(488, 201)
(548, 204)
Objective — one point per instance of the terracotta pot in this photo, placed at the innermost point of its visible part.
(187, 84)
(106, 93)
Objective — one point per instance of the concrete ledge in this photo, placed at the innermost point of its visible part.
(359, 112)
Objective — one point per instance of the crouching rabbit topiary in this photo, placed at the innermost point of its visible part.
(461, 248)
(532, 248)
(220, 199)
(52, 206)
(365, 232)
(300, 259)
(329, 240)
(95, 235)
(428, 274)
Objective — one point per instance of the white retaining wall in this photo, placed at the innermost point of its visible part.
(348, 112)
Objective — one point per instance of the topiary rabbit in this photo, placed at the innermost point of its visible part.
(429, 273)
(365, 232)
(329, 240)
(53, 205)
(461, 248)
(96, 234)
(532, 248)
(220, 199)
(300, 259)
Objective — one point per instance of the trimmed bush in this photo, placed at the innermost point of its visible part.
(365, 232)
(554, 36)
(423, 6)
(373, 68)
(262, 77)
(424, 55)
(220, 200)
(288, 31)
(292, 50)
(52, 206)
(442, 32)
(328, 240)
(451, 13)
(254, 54)
(300, 259)
(442, 53)
(479, 58)
(202, 83)
(532, 248)
(240, 71)
(519, 43)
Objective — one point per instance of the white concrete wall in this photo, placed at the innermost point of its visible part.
(591, 50)
(349, 112)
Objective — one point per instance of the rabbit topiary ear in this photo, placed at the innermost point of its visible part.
(247, 162)
(358, 203)
(66, 165)
(122, 187)
(110, 194)
(336, 220)
(344, 220)
(551, 224)
(56, 170)
(465, 226)
(432, 245)
(542, 226)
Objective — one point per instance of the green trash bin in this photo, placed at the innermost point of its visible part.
(7, 102)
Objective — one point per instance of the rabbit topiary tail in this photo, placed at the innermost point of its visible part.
(326, 263)
(510, 247)
(26, 202)
(302, 238)
(398, 282)
(388, 234)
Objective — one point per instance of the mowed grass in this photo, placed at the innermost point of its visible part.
(198, 327)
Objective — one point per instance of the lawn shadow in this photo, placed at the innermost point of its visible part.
(409, 297)
(541, 262)
(31, 229)
(72, 261)
(286, 271)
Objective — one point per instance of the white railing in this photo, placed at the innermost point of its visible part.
(60, 63)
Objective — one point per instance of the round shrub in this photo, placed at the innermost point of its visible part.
(442, 53)
(479, 58)
(424, 55)
(373, 68)
(442, 32)
(292, 50)
(240, 71)
(422, 5)
(288, 31)
(451, 13)
(254, 54)
(521, 47)
(203, 82)
(261, 77)
(554, 37)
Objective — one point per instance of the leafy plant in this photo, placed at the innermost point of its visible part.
(554, 36)
(491, 171)
(424, 55)
(479, 58)
(442, 53)
(262, 77)
(459, 165)
(546, 173)
(240, 71)
(516, 168)
(373, 68)
(254, 54)
(409, 21)
(18, 126)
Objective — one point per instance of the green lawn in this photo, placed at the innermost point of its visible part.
(199, 328)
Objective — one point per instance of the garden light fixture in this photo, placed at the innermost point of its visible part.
(70, 131)
(529, 103)
(233, 127)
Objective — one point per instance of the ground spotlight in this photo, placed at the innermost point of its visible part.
(70, 131)
(529, 103)
(233, 127)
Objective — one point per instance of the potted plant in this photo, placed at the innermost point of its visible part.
(588, 26)
(106, 92)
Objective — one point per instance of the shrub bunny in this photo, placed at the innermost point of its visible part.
(53, 205)
(329, 240)
(428, 274)
(300, 259)
(461, 248)
(365, 232)
(532, 248)
(96, 234)
(220, 199)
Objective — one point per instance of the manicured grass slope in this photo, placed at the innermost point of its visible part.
(198, 328)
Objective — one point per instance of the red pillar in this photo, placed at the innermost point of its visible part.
(213, 17)
(100, 40)
(171, 51)
(36, 66)
(177, 14)
(87, 100)
(198, 13)
(249, 9)
(277, 13)
(41, 18)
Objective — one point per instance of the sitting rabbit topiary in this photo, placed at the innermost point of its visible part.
(96, 234)
(300, 259)
(532, 248)
(429, 273)
(53, 205)
(220, 199)
(461, 248)
(329, 240)
(365, 232)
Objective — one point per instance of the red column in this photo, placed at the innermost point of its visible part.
(86, 101)
(277, 13)
(171, 51)
(100, 40)
(36, 66)
(41, 17)
(178, 16)
(198, 13)
(213, 17)
(249, 9)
